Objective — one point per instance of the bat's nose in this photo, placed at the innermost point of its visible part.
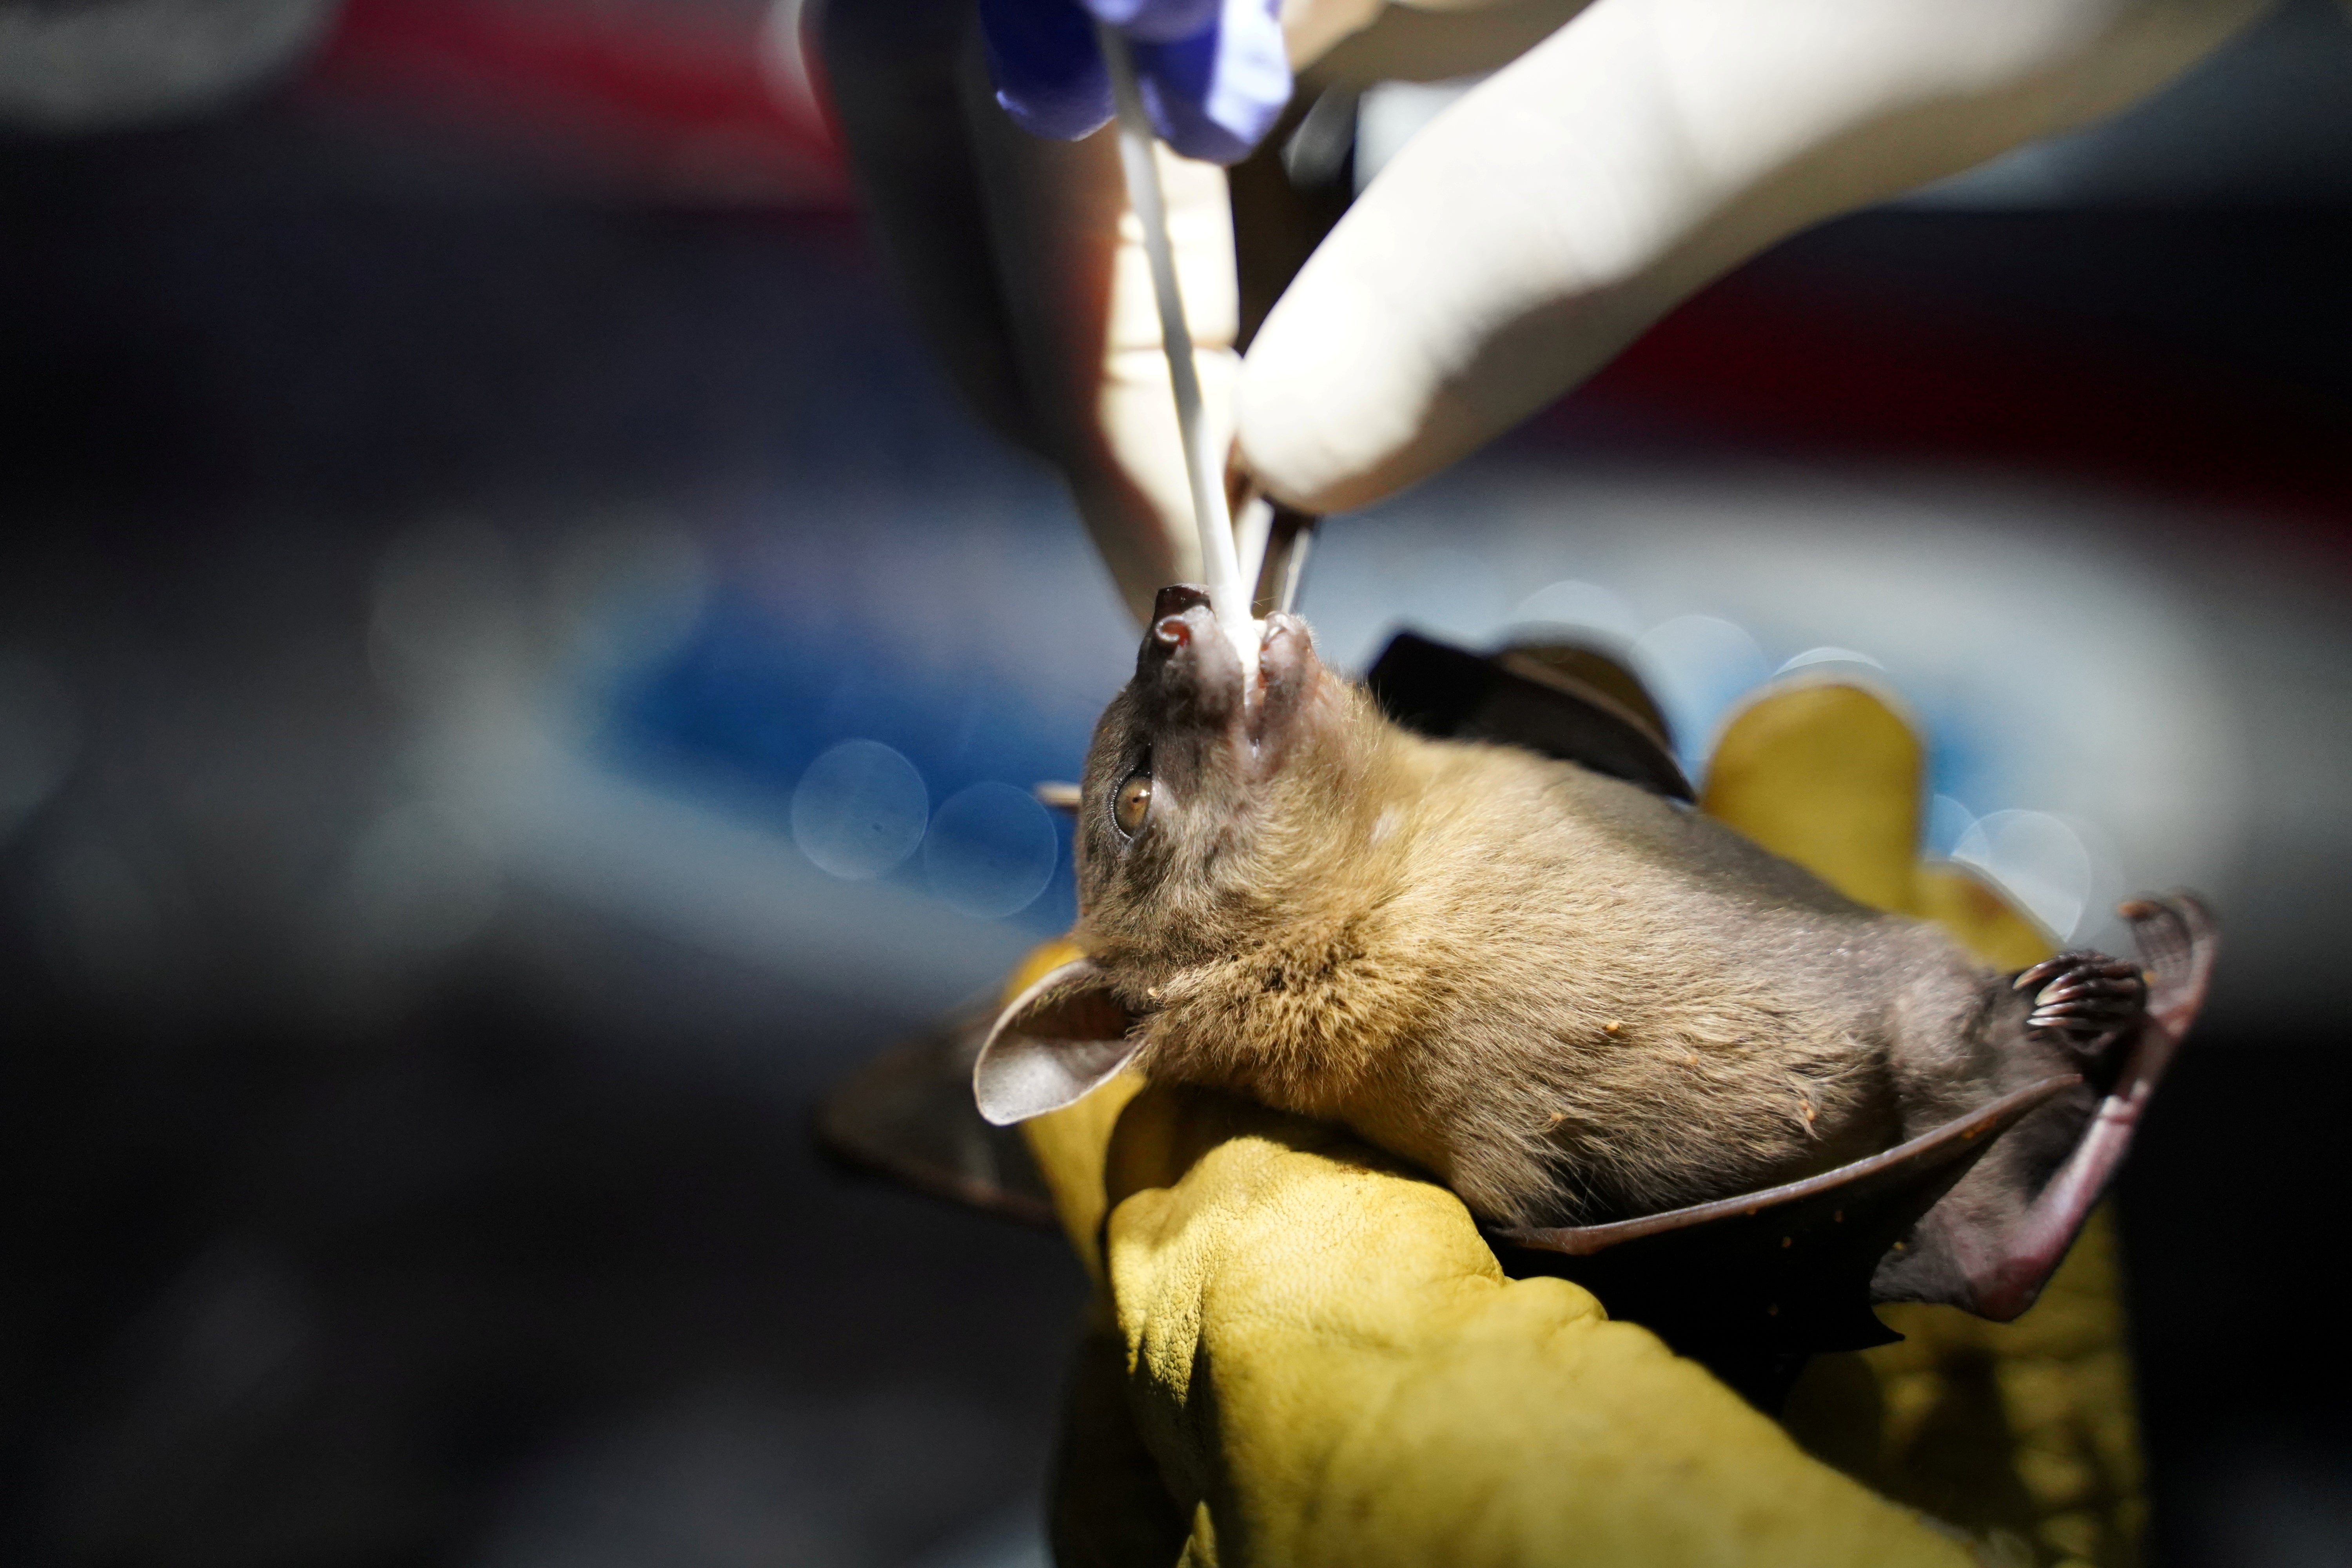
(1186, 659)
(1175, 599)
(1175, 631)
(1180, 617)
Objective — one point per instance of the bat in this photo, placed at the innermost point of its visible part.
(1631, 1040)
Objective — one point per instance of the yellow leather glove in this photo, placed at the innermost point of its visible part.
(1302, 1352)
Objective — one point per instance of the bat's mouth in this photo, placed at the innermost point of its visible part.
(1193, 671)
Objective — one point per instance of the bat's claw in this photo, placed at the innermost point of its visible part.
(2088, 1001)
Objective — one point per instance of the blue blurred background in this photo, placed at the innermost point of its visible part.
(516, 673)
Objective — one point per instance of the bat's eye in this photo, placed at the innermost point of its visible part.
(1132, 803)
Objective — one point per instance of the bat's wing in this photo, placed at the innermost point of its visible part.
(1752, 1285)
(1997, 1274)
(1574, 703)
(908, 1115)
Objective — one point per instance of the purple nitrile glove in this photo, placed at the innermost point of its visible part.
(1213, 73)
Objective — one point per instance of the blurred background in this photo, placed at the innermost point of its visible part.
(515, 674)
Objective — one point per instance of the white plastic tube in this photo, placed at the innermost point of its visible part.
(1229, 597)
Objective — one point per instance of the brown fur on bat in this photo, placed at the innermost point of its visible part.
(1570, 1000)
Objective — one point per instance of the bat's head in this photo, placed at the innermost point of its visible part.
(1192, 766)
(1197, 816)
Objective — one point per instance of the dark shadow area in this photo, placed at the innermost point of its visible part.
(2244, 1381)
(491, 1281)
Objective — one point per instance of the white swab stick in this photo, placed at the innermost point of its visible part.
(1253, 531)
(1229, 597)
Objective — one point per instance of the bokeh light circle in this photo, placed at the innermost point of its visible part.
(991, 850)
(2040, 859)
(1949, 822)
(859, 810)
(1585, 605)
(1697, 667)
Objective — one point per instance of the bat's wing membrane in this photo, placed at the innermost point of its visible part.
(1758, 1282)
(1753, 1284)
(908, 1115)
(937, 1112)
(1563, 700)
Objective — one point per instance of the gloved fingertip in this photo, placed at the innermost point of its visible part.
(1057, 120)
(1156, 21)
(1215, 95)
(1215, 75)
(1047, 68)
(1184, 127)
(1313, 429)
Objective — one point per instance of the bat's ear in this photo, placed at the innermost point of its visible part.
(1061, 1037)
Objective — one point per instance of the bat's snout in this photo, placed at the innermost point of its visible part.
(1190, 665)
